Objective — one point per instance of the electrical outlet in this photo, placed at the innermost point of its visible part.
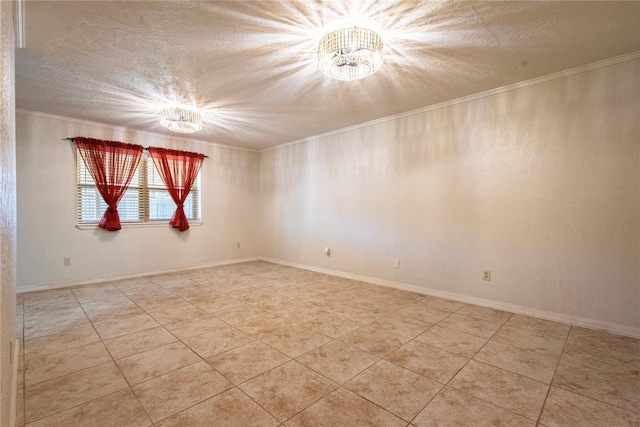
(66, 261)
(396, 263)
(486, 275)
(327, 251)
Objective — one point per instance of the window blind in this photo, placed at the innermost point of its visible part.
(146, 200)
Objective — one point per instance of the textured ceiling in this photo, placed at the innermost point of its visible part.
(251, 66)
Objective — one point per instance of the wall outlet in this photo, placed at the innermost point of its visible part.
(327, 251)
(486, 275)
(66, 261)
(396, 263)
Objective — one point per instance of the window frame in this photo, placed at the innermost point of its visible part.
(194, 216)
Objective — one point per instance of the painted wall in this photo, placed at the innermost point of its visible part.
(7, 214)
(538, 184)
(47, 218)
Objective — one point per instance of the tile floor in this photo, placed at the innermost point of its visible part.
(259, 344)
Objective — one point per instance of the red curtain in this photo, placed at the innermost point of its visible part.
(112, 164)
(179, 170)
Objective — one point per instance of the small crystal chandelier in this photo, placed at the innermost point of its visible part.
(181, 119)
(350, 53)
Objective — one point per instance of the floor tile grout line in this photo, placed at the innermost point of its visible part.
(293, 359)
(234, 348)
(555, 372)
(80, 370)
(233, 386)
(383, 358)
(249, 379)
(487, 402)
(578, 392)
(427, 404)
(195, 404)
(259, 405)
(113, 360)
(202, 359)
(490, 339)
(371, 307)
(79, 404)
(513, 372)
(376, 404)
(520, 328)
(472, 358)
(596, 399)
(310, 404)
(468, 358)
(165, 373)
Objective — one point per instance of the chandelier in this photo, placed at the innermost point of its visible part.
(181, 120)
(350, 53)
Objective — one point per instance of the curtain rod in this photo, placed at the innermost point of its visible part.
(73, 139)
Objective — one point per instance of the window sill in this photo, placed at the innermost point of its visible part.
(125, 225)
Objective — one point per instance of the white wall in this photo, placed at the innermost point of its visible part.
(47, 218)
(8, 370)
(538, 184)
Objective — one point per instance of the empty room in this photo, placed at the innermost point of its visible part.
(310, 213)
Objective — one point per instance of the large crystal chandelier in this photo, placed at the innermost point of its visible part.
(350, 53)
(181, 119)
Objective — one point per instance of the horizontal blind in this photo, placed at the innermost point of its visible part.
(161, 205)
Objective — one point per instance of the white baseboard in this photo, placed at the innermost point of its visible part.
(613, 328)
(584, 322)
(49, 286)
(14, 384)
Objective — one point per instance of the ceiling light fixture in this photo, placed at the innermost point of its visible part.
(350, 53)
(181, 120)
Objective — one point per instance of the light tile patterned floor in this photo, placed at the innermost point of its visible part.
(259, 344)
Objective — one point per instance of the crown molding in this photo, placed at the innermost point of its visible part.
(491, 92)
(130, 130)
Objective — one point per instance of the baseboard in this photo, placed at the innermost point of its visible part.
(49, 286)
(584, 322)
(14, 384)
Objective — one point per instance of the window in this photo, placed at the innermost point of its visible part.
(145, 201)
